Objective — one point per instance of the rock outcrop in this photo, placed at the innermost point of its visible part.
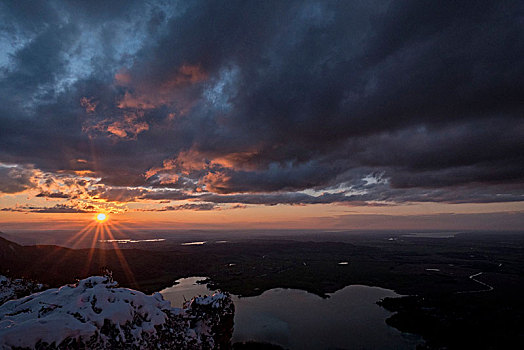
(14, 288)
(97, 314)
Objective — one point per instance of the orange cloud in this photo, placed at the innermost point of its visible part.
(149, 95)
(84, 173)
(115, 129)
(184, 163)
(168, 179)
(236, 160)
(216, 182)
(88, 104)
(187, 74)
(192, 160)
(128, 127)
(123, 77)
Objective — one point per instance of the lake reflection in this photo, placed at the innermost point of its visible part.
(185, 289)
(295, 319)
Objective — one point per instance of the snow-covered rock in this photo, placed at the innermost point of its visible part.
(11, 288)
(96, 314)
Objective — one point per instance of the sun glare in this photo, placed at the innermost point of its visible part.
(101, 217)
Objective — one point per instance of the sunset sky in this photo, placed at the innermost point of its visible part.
(262, 114)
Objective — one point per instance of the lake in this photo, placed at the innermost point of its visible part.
(295, 319)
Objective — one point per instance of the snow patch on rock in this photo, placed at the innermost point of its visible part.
(15, 288)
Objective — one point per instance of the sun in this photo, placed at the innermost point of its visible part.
(101, 217)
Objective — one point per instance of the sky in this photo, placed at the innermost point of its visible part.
(262, 114)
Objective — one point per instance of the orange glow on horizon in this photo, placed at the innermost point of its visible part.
(318, 216)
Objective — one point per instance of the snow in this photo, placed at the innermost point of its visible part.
(87, 310)
(14, 288)
(80, 309)
(216, 300)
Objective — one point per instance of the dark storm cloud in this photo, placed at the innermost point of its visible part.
(251, 102)
(191, 206)
(117, 194)
(188, 206)
(371, 195)
(58, 208)
(53, 195)
(15, 179)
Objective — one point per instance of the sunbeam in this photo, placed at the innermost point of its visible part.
(121, 258)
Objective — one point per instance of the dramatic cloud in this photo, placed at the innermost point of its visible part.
(58, 208)
(189, 206)
(15, 179)
(268, 102)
